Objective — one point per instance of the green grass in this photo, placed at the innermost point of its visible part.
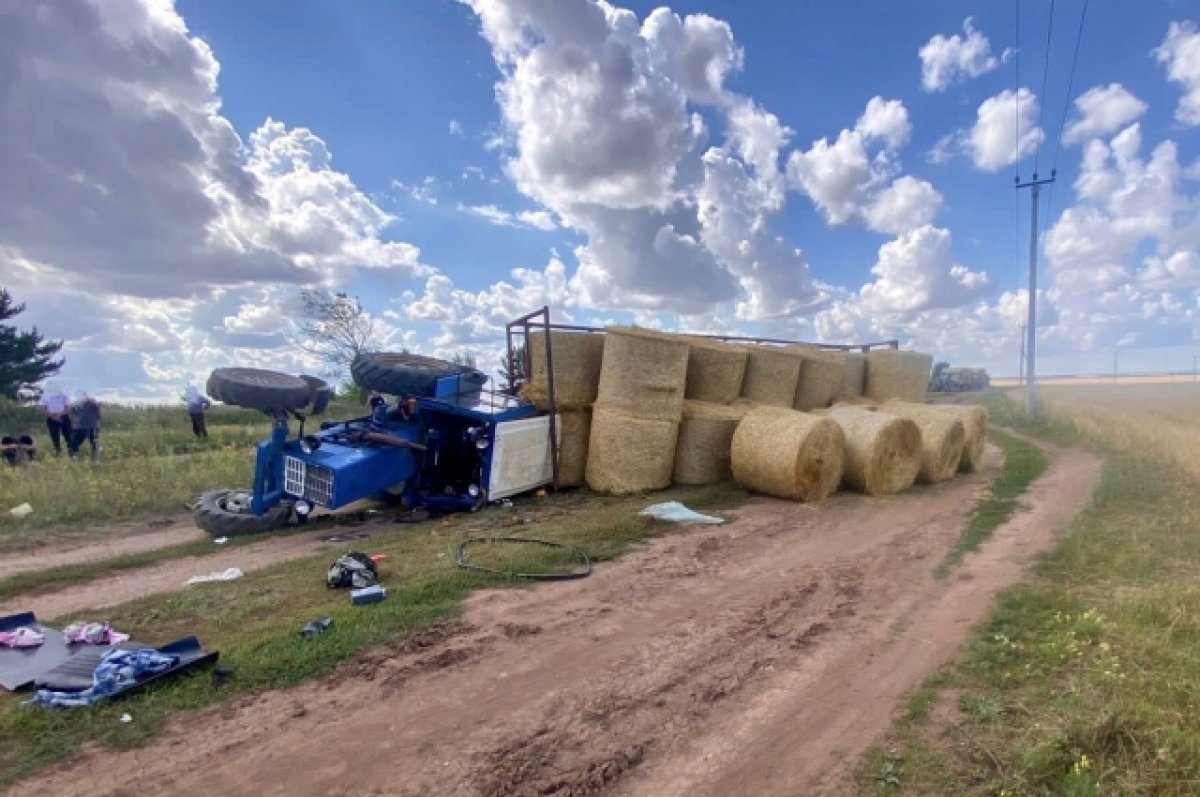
(254, 621)
(1023, 463)
(1085, 680)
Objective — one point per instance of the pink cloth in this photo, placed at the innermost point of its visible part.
(92, 634)
(23, 637)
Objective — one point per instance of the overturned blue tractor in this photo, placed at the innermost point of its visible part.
(441, 442)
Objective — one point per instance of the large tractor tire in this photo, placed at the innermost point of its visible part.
(259, 389)
(409, 374)
(319, 394)
(226, 513)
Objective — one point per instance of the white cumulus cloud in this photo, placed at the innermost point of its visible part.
(946, 60)
(993, 141)
(1180, 52)
(1102, 110)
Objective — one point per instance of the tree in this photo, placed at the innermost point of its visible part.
(334, 328)
(25, 357)
(463, 359)
(512, 370)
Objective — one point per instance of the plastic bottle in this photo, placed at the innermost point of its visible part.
(375, 594)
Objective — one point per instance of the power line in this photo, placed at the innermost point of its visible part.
(1016, 96)
(1045, 74)
(1070, 85)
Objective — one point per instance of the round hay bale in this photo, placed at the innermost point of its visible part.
(643, 373)
(577, 357)
(629, 454)
(856, 401)
(821, 378)
(772, 374)
(854, 366)
(942, 439)
(883, 452)
(715, 371)
(574, 430)
(788, 454)
(702, 453)
(894, 374)
(975, 419)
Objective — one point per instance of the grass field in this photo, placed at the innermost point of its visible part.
(1086, 679)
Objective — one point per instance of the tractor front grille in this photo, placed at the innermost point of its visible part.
(310, 482)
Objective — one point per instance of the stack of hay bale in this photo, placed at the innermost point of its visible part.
(639, 404)
(577, 358)
(641, 409)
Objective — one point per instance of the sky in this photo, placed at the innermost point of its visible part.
(176, 173)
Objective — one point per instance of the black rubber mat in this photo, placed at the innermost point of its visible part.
(76, 674)
(21, 667)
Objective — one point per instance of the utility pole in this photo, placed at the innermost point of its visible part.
(1035, 186)
(1021, 370)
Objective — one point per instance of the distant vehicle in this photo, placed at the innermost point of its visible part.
(954, 380)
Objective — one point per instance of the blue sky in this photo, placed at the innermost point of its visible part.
(663, 168)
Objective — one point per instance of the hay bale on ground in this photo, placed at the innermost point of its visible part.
(715, 371)
(883, 452)
(975, 419)
(894, 374)
(856, 401)
(788, 454)
(643, 373)
(821, 377)
(574, 430)
(702, 453)
(772, 374)
(577, 358)
(854, 366)
(942, 439)
(629, 454)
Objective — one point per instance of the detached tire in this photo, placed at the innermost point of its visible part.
(410, 374)
(258, 389)
(226, 513)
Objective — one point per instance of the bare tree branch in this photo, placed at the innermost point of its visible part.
(334, 328)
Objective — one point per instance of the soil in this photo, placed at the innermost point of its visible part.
(760, 657)
(108, 547)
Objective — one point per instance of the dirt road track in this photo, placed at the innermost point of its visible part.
(99, 550)
(761, 657)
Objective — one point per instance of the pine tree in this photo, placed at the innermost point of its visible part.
(25, 358)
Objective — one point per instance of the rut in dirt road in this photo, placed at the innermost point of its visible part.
(756, 658)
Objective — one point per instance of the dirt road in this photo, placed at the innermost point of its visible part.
(761, 657)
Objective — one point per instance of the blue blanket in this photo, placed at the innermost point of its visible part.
(118, 670)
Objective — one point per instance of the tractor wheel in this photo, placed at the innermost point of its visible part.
(319, 394)
(409, 374)
(258, 389)
(226, 513)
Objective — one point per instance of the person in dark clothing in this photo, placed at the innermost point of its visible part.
(18, 450)
(87, 424)
(56, 408)
(197, 405)
(376, 400)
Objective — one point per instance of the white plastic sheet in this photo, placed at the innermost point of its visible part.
(675, 512)
(228, 574)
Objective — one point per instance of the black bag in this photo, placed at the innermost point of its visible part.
(352, 570)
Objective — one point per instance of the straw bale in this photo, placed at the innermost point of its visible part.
(854, 364)
(942, 438)
(705, 438)
(975, 419)
(628, 454)
(821, 378)
(577, 357)
(788, 454)
(715, 371)
(856, 401)
(894, 374)
(883, 452)
(574, 429)
(772, 374)
(643, 373)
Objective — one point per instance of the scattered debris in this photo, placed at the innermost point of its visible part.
(316, 627)
(21, 510)
(23, 637)
(584, 570)
(81, 633)
(675, 512)
(221, 540)
(220, 676)
(373, 594)
(229, 574)
(353, 569)
(126, 718)
(346, 537)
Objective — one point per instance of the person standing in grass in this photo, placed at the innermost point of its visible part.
(87, 424)
(56, 408)
(197, 405)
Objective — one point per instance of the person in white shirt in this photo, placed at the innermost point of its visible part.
(56, 407)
